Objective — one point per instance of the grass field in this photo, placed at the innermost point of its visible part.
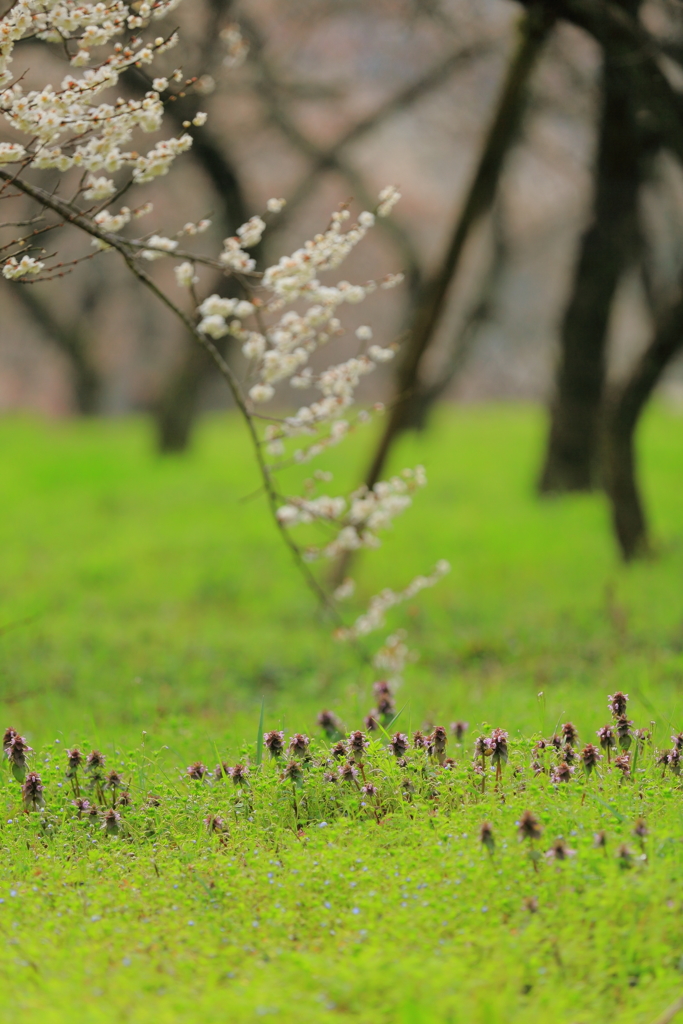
(147, 610)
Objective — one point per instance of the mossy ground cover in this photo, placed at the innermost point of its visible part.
(144, 595)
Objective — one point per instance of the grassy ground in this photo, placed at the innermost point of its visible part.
(139, 594)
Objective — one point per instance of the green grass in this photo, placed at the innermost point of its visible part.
(144, 595)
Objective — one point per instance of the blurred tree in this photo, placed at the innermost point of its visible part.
(608, 248)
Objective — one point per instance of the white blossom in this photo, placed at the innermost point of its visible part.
(250, 233)
(213, 325)
(99, 188)
(185, 275)
(11, 152)
(275, 205)
(388, 198)
(261, 393)
(379, 605)
(381, 355)
(236, 47)
(27, 265)
(345, 590)
(158, 246)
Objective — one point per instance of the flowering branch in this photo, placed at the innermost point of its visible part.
(66, 131)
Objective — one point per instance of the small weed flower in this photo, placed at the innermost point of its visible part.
(673, 759)
(330, 777)
(561, 773)
(298, 745)
(196, 771)
(124, 799)
(381, 689)
(570, 734)
(420, 741)
(94, 762)
(623, 763)
(486, 836)
(292, 773)
(555, 741)
(386, 707)
(677, 740)
(600, 839)
(537, 768)
(663, 757)
(339, 749)
(74, 761)
(369, 790)
(82, 805)
(8, 736)
(275, 742)
(569, 754)
(481, 747)
(111, 821)
(437, 744)
(214, 824)
(239, 774)
(590, 757)
(458, 729)
(642, 736)
(560, 851)
(617, 702)
(348, 772)
(371, 721)
(92, 813)
(17, 752)
(640, 829)
(358, 743)
(606, 739)
(624, 732)
(113, 781)
(625, 856)
(32, 792)
(221, 771)
(398, 744)
(529, 827)
(498, 747)
(330, 724)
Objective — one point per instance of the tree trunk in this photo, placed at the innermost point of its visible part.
(72, 341)
(607, 249)
(430, 304)
(177, 408)
(622, 412)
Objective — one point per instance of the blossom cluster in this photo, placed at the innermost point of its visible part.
(69, 125)
(379, 605)
(360, 518)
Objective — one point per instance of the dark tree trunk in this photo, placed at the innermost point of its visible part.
(430, 303)
(607, 249)
(622, 412)
(177, 409)
(72, 341)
